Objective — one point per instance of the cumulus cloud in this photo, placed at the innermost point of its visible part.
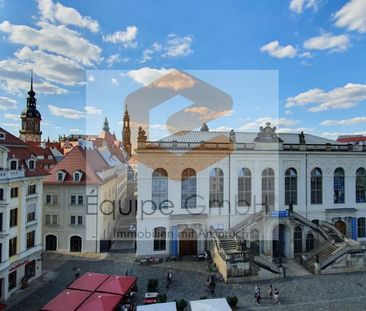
(147, 75)
(124, 37)
(257, 123)
(55, 68)
(65, 15)
(70, 113)
(57, 39)
(344, 97)
(327, 41)
(147, 53)
(276, 50)
(7, 103)
(298, 6)
(14, 78)
(12, 116)
(178, 46)
(352, 121)
(206, 114)
(352, 16)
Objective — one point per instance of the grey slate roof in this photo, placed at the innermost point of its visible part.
(241, 137)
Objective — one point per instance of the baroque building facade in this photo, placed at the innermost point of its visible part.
(196, 181)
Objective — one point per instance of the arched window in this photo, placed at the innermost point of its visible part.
(316, 183)
(309, 242)
(159, 239)
(244, 187)
(268, 186)
(338, 185)
(159, 193)
(298, 240)
(216, 188)
(361, 185)
(290, 186)
(361, 225)
(189, 188)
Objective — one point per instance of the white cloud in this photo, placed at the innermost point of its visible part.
(12, 116)
(57, 39)
(65, 15)
(206, 114)
(352, 16)
(178, 46)
(147, 75)
(53, 68)
(352, 121)
(147, 54)
(115, 58)
(276, 50)
(14, 78)
(69, 113)
(7, 103)
(344, 97)
(114, 81)
(75, 130)
(298, 6)
(279, 122)
(91, 78)
(15, 125)
(327, 41)
(125, 37)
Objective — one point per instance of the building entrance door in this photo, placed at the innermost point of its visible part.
(188, 242)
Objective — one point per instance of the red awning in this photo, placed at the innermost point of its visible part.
(67, 300)
(116, 284)
(89, 281)
(100, 302)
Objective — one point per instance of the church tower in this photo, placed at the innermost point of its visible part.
(126, 133)
(31, 118)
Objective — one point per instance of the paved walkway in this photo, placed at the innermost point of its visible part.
(325, 292)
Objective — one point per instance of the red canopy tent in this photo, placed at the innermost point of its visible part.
(116, 284)
(89, 281)
(100, 302)
(67, 300)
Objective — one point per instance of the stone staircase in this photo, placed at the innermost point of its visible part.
(324, 252)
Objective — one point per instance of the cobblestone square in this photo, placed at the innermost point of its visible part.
(323, 292)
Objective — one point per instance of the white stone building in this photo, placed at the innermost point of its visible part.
(21, 192)
(324, 180)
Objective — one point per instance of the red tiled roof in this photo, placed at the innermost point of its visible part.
(11, 140)
(87, 160)
(351, 139)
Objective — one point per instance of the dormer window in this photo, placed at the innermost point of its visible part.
(2, 136)
(61, 176)
(13, 165)
(77, 176)
(31, 164)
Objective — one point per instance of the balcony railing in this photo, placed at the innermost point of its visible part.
(8, 174)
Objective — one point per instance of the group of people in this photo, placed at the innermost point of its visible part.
(272, 293)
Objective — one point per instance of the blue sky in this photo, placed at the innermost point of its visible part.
(309, 56)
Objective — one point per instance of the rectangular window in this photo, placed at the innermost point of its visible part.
(32, 189)
(12, 280)
(1, 194)
(14, 192)
(54, 219)
(1, 222)
(80, 200)
(160, 239)
(48, 199)
(13, 217)
(13, 165)
(73, 200)
(30, 269)
(30, 239)
(31, 212)
(48, 219)
(73, 220)
(31, 165)
(80, 220)
(54, 199)
(12, 247)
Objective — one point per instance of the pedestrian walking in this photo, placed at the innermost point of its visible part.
(213, 283)
(258, 295)
(169, 278)
(77, 272)
(256, 289)
(270, 292)
(276, 295)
